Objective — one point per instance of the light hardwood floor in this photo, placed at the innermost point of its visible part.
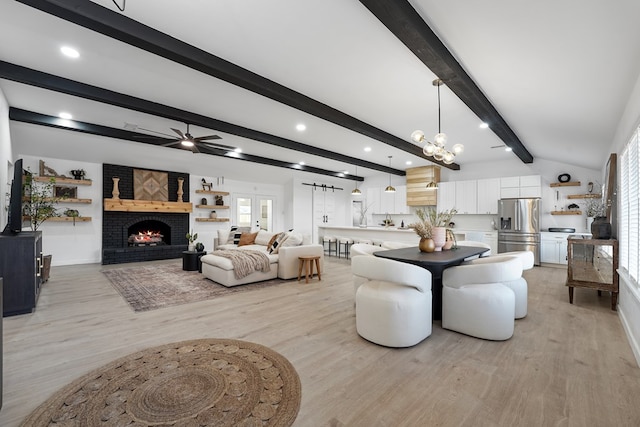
(566, 365)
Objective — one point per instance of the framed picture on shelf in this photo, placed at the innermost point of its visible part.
(65, 192)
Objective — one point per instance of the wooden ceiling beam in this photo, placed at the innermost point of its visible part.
(25, 116)
(36, 78)
(115, 25)
(409, 27)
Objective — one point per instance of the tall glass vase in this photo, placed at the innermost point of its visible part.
(439, 236)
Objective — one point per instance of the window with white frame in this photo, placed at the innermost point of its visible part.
(630, 208)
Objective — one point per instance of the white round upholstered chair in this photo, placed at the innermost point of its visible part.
(393, 304)
(358, 249)
(518, 286)
(475, 300)
(477, 244)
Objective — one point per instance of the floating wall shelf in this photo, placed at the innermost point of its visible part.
(222, 193)
(212, 219)
(565, 184)
(212, 207)
(584, 196)
(63, 180)
(566, 212)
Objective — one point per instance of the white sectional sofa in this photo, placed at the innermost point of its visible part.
(283, 262)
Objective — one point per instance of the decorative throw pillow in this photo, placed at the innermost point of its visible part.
(247, 239)
(275, 246)
(223, 237)
(234, 235)
(293, 239)
(263, 238)
(270, 244)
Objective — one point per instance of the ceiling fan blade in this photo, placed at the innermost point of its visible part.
(194, 149)
(179, 132)
(168, 144)
(204, 138)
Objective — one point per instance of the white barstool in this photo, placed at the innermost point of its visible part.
(328, 241)
(344, 242)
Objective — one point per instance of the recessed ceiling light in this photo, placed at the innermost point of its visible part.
(408, 162)
(508, 149)
(367, 149)
(484, 125)
(301, 163)
(345, 172)
(65, 116)
(69, 51)
(238, 150)
(301, 127)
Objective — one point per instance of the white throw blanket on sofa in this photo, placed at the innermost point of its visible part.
(245, 261)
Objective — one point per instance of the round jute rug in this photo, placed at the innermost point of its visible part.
(207, 382)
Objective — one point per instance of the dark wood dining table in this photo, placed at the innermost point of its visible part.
(436, 263)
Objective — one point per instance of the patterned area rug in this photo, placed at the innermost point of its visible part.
(208, 382)
(164, 285)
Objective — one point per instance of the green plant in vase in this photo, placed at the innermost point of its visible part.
(192, 237)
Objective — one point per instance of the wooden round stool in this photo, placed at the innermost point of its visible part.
(307, 262)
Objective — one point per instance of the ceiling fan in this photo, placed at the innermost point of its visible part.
(196, 143)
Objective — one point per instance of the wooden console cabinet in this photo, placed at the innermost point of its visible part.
(593, 264)
(21, 270)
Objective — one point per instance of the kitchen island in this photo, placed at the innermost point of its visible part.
(395, 234)
(405, 235)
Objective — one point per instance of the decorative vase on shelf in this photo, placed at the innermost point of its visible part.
(426, 245)
(213, 215)
(439, 236)
(600, 228)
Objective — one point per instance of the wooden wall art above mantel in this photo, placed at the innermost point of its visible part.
(125, 205)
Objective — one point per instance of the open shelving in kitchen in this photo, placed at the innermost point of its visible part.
(565, 184)
(571, 212)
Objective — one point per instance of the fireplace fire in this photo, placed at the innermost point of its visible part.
(144, 238)
(148, 232)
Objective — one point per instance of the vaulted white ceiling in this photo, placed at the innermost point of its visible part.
(559, 73)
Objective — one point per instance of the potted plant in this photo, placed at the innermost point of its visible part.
(424, 228)
(38, 203)
(191, 237)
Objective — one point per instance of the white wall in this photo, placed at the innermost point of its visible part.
(629, 297)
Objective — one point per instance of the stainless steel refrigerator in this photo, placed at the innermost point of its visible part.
(519, 229)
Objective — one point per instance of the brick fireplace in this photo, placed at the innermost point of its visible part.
(118, 226)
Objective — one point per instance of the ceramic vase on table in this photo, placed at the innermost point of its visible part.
(601, 228)
(426, 245)
(191, 247)
(439, 236)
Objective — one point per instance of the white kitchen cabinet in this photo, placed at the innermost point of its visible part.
(446, 195)
(466, 197)
(553, 247)
(401, 200)
(488, 196)
(372, 202)
(520, 186)
(387, 202)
